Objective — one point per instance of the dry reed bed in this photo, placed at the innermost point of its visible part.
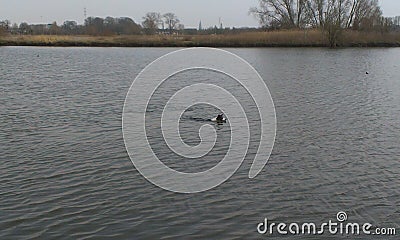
(299, 38)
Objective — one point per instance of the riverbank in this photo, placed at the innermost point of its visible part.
(301, 38)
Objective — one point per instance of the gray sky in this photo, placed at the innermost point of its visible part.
(190, 12)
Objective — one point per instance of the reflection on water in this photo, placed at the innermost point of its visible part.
(64, 171)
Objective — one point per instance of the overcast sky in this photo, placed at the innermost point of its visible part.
(190, 12)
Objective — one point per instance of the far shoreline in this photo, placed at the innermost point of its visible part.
(282, 39)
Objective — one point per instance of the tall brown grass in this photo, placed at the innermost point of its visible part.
(292, 38)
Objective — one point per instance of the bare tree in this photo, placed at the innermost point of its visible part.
(94, 25)
(151, 22)
(70, 27)
(316, 12)
(364, 11)
(126, 25)
(172, 21)
(4, 26)
(281, 13)
(24, 28)
(350, 14)
(54, 28)
(332, 16)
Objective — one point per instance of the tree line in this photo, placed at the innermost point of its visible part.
(331, 16)
(152, 23)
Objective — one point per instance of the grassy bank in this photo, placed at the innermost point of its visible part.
(308, 38)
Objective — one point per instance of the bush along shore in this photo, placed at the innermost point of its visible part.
(289, 38)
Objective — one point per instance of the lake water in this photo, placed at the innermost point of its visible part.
(65, 173)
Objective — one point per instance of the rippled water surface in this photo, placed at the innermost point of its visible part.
(65, 173)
